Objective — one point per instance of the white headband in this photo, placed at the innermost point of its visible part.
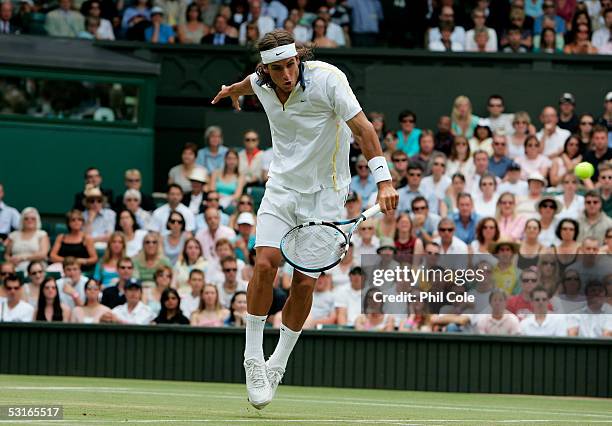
(278, 53)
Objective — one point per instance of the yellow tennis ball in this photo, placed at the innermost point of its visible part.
(584, 170)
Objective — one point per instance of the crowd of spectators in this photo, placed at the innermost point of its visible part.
(495, 190)
(549, 26)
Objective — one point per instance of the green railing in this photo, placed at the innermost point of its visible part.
(403, 361)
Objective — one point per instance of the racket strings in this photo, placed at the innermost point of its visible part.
(315, 246)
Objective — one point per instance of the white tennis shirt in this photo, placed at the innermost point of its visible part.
(310, 137)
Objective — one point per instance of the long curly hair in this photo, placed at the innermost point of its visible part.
(275, 38)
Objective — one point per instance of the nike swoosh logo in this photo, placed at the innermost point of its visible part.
(280, 53)
(379, 167)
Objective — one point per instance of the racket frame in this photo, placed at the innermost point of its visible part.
(345, 227)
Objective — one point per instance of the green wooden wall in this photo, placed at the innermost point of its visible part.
(403, 361)
(43, 164)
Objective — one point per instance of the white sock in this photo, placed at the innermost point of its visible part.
(287, 340)
(253, 348)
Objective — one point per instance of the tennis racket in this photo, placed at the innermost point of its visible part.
(318, 246)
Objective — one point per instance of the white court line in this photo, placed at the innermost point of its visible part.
(132, 391)
(280, 421)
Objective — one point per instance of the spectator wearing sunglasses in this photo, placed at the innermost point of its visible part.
(150, 258)
(520, 305)
(599, 152)
(232, 283)
(448, 242)
(212, 199)
(12, 308)
(28, 243)
(594, 222)
(99, 220)
(604, 184)
(76, 243)
(115, 295)
(36, 275)
(363, 182)
(133, 180)
(93, 178)
(541, 323)
(174, 240)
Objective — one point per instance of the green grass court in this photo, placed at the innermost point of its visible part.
(104, 401)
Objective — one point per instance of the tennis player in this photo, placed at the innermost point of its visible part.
(312, 112)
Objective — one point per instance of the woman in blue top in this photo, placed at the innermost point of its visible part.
(408, 135)
(463, 121)
(106, 270)
(228, 182)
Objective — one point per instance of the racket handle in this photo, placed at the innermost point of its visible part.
(372, 211)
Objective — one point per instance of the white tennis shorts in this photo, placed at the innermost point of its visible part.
(282, 208)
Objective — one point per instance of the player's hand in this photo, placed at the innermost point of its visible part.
(387, 196)
(226, 91)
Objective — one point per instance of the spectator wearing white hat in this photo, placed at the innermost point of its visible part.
(526, 205)
(181, 173)
(245, 238)
(159, 32)
(483, 137)
(194, 199)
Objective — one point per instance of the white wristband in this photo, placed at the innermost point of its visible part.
(379, 168)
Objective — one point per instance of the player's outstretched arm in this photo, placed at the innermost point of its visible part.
(234, 91)
(366, 138)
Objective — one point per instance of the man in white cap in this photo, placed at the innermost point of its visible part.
(312, 112)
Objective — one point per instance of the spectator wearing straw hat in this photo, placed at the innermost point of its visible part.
(93, 177)
(99, 220)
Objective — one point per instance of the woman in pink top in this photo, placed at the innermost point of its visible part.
(510, 224)
(210, 312)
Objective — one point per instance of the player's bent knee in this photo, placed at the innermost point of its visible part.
(302, 289)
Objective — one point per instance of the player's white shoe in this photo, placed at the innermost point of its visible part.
(275, 376)
(258, 385)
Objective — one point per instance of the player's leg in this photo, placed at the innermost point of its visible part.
(259, 300)
(326, 204)
(296, 310)
(274, 219)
